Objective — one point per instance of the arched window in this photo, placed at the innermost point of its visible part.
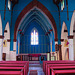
(34, 37)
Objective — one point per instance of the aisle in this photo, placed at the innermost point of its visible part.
(35, 67)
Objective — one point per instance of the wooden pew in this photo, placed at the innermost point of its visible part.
(56, 65)
(15, 65)
(55, 62)
(11, 72)
(12, 69)
(64, 72)
(59, 68)
(16, 62)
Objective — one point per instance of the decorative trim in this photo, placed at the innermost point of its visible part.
(70, 36)
(5, 31)
(8, 40)
(73, 31)
(56, 40)
(61, 40)
(65, 31)
(1, 36)
(14, 40)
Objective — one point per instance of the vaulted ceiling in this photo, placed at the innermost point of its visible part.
(35, 15)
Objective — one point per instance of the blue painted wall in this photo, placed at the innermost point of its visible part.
(18, 43)
(43, 40)
(7, 15)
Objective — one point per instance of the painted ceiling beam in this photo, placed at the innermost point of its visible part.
(33, 18)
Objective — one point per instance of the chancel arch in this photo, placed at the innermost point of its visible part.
(44, 19)
(40, 6)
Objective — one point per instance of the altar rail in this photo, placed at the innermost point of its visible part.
(31, 57)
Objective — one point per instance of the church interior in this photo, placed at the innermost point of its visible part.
(37, 37)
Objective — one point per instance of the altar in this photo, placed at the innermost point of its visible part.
(34, 57)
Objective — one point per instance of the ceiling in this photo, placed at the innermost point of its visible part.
(35, 15)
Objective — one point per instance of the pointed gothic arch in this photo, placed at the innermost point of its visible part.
(72, 29)
(64, 34)
(0, 26)
(6, 44)
(72, 23)
(64, 29)
(1, 37)
(7, 30)
(28, 8)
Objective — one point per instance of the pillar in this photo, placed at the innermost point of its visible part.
(1, 46)
(8, 53)
(48, 56)
(60, 52)
(13, 53)
(15, 42)
(71, 50)
(57, 53)
(62, 44)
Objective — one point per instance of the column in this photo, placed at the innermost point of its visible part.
(13, 53)
(14, 47)
(56, 41)
(71, 50)
(1, 46)
(48, 56)
(8, 51)
(57, 53)
(60, 52)
(62, 44)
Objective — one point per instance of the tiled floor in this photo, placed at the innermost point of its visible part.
(36, 67)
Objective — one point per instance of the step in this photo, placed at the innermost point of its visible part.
(34, 62)
(35, 65)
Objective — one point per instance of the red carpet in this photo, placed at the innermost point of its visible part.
(33, 72)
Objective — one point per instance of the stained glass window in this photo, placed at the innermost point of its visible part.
(34, 37)
(9, 4)
(62, 4)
